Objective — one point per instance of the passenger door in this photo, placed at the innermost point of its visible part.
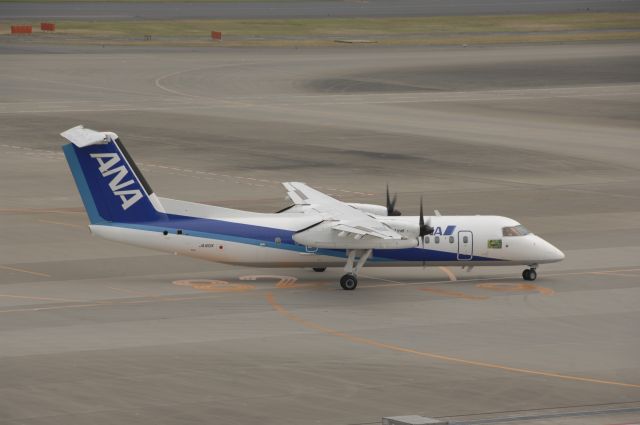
(465, 245)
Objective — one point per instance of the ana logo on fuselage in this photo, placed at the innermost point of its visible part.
(448, 231)
(107, 162)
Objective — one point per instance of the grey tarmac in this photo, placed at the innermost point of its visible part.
(96, 332)
(301, 9)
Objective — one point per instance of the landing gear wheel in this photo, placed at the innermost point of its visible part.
(525, 274)
(529, 274)
(319, 269)
(348, 282)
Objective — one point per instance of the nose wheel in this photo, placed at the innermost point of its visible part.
(529, 274)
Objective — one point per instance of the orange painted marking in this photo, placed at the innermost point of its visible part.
(454, 294)
(516, 287)
(15, 269)
(452, 277)
(283, 281)
(373, 343)
(214, 285)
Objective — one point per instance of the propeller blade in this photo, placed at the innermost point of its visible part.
(391, 204)
(425, 229)
(428, 230)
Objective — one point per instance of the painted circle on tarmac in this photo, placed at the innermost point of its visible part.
(214, 285)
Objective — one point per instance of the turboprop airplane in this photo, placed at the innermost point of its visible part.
(316, 231)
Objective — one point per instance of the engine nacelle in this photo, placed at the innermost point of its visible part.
(408, 227)
(370, 208)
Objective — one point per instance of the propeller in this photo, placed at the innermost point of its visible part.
(425, 229)
(391, 204)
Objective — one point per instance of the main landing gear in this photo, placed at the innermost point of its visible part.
(530, 274)
(349, 281)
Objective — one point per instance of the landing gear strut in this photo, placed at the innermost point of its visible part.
(349, 281)
(530, 274)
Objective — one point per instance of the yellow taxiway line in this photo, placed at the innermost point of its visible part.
(452, 277)
(373, 343)
(453, 294)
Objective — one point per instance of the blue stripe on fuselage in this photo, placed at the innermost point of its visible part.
(259, 235)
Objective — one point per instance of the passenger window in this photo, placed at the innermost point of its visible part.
(426, 239)
(450, 239)
(465, 239)
(437, 239)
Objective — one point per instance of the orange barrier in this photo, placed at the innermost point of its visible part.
(216, 35)
(21, 29)
(47, 26)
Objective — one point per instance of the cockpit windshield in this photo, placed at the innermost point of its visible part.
(519, 230)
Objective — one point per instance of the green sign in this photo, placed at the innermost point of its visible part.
(495, 243)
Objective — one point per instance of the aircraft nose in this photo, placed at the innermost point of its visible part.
(557, 255)
(551, 253)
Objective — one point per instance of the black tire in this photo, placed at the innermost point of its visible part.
(532, 274)
(526, 274)
(349, 282)
(319, 269)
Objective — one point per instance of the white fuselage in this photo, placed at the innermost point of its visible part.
(269, 240)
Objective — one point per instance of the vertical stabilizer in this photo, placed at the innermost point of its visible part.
(111, 186)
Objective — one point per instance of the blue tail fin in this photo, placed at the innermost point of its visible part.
(110, 184)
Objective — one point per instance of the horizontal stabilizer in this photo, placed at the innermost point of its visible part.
(83, 137)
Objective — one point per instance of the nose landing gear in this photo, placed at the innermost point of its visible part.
(530, 274)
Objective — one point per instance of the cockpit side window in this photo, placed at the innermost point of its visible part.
(518, 230)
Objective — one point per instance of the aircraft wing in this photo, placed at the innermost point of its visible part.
(339, 216)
